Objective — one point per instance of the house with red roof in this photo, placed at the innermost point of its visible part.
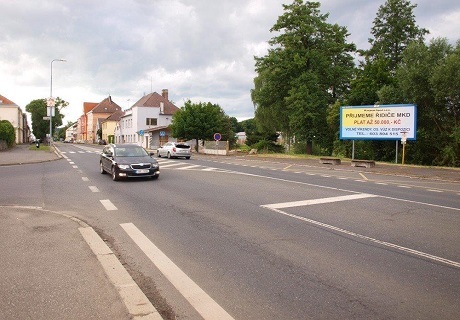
(87, 123)
(146, 122)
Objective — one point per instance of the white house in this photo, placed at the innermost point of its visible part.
(71, 132)
(13, 113)
(146, 122)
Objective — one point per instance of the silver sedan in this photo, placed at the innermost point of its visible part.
(174, 150)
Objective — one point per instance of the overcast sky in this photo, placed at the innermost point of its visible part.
(201, 50)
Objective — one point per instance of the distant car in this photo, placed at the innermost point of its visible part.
(102, 142)
(128, 161)
(174, 150)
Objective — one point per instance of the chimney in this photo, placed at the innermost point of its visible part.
(110, 99)
(164, 93)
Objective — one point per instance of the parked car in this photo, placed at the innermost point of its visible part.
(174, 150)
(128, 161)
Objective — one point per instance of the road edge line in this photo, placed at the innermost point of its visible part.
(138, 305)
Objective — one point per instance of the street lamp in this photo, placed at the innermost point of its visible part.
(50, 102)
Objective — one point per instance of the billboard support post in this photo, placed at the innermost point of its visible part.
(379, 122)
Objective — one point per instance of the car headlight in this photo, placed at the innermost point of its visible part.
(154, 166)
(123, 166)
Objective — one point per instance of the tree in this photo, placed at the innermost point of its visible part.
(200, 121)
(429, 77)
(393, 30)
(7, 132)
(307, 67)
(38, 109)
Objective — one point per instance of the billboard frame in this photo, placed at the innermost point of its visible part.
(378, 122)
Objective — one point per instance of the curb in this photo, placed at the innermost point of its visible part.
(136, 302)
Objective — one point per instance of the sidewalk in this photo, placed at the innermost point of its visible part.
(22, 154)
(54, 266)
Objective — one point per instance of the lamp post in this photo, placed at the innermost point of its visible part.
(50, 102)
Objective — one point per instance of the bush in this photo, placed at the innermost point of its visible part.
(7, 132)
(268, 146)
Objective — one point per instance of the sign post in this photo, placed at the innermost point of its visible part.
(379, 122)
(50, 103)
(217, 137)
(403, 141)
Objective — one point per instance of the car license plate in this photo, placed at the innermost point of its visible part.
(142, 171)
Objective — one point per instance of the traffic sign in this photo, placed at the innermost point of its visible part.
(141, 131)
(217, 136)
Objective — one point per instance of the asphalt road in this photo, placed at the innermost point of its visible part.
(265, 239)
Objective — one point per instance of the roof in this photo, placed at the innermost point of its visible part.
(154, 99)
(116, 116)
(106, 106)
(88, 106)
(4, 100)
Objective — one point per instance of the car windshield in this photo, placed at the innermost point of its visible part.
(130, 152)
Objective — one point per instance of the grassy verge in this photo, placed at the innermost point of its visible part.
(43, 147)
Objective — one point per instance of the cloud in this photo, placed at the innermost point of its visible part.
(197, 49)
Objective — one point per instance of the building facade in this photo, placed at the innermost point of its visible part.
(146, 122)
(13, 113)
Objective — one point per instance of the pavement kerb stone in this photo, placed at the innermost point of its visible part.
(138, 305)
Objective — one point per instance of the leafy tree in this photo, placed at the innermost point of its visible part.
(248, 125)
(200, 121)
(307, 67)
(7, 132)
(393, 30)
(38, 109)
(429, 77)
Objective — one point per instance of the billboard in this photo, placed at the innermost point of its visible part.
(378, 122)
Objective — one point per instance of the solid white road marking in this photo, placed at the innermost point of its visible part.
(134, 299)
(276, 206)
(108, 205)
(189, 167)
(317, 201)
(162, 166)
(85, 178)
(93, 188)
(200, 300)
(362, 175)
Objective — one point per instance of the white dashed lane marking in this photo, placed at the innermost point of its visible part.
(108, 205)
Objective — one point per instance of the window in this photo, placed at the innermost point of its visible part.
(151, 121)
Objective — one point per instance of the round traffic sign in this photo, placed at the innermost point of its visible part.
(217, 136)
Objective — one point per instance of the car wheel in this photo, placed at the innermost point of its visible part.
(102, 168)
(158, 154)
(169, 155)
(115, 174)
(187, 158)
(155, 177)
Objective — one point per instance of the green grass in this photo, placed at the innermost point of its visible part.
(43, 147)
